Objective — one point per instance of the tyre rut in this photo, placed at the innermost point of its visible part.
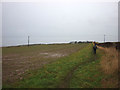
(66, 81)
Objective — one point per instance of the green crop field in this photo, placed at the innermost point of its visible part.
(52, 66)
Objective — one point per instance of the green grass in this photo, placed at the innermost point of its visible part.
(88, 75)
(51, 75)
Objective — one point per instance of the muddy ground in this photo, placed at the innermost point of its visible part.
(16, 61)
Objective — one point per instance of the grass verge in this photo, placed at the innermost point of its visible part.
(88, 75)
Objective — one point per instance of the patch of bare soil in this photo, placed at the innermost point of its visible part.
(48, 55)
(15, 66)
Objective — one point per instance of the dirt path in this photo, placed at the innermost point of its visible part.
(66, 81)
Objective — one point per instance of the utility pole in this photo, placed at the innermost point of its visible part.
(104, 38)
(28, 40)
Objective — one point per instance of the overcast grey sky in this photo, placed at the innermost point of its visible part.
(58, 22)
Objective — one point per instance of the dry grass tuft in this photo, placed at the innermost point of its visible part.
(109, 62)
(109, 65)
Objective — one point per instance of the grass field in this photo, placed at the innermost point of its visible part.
(52, 66)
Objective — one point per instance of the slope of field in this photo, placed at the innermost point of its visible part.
(19, 60)
(60, 66)
(62, 73)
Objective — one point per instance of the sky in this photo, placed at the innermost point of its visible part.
(51, 22)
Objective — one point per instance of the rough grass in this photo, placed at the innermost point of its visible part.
(109, 61)
(109, 65)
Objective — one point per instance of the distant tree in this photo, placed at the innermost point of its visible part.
(79, 42)
(75, 42)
